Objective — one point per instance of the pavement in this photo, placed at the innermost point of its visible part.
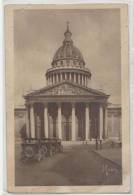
(77, 165)
(112, 154)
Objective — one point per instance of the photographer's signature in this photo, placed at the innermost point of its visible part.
(108, 170)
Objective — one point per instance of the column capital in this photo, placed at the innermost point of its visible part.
(73, 104)
(87, 104)
(101, 106)
(105, 106)
(59, 104)
(45, 104)
(26, 104)
(31, 104)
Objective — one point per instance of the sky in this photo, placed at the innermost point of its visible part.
(39, 33)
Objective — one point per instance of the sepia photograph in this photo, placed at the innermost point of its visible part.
(67, 83)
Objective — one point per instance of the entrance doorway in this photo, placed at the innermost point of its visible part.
(80, 113)
(66, 130)
(66, 121)
(94, 128)
(39, 120)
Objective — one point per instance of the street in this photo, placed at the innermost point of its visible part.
(77, 165)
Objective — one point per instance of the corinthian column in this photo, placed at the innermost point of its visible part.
(78, 78)
(70, 76)
(75, 77)
(101, 123)
(73, 122)
(27, 122)
(65, 76)
(86, 81)
(46, 120)
(32, 121)
(51, 79)
(59, 121)
(60, 76)
(57, 78)
(106, 130)
(87, 121)
(83, 79)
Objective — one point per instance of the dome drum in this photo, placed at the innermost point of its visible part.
(78, 77)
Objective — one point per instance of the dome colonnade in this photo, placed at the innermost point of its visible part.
(77, 75)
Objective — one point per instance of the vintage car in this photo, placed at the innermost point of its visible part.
(37, 149)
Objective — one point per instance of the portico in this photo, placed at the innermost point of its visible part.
(69, 121)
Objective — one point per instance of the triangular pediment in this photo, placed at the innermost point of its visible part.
(66, 89)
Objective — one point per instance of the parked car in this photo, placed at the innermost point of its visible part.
(39, 148)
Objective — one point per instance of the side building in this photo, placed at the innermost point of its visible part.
(114, 121)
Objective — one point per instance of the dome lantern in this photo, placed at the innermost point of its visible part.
(67, 35)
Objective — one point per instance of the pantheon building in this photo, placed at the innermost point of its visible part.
(67, 108)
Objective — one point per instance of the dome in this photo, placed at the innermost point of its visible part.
(68, 65)
(68, 54)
